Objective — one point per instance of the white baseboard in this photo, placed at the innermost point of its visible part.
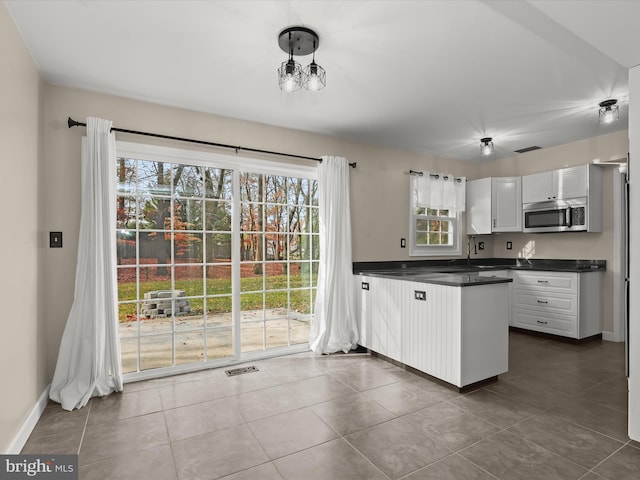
(29, 424)
(611, 337)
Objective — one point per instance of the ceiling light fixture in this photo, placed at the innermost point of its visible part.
(609, 111)
(486, 146)
(291, 76)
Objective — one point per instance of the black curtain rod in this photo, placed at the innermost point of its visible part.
(72, 123)
(434, 175)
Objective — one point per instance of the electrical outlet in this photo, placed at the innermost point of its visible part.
(55, 239)
(509, 245)
(480, 245)
(403, 243)
(365, 285)
(419, 295)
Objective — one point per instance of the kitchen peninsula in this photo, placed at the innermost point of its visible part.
(450, 319)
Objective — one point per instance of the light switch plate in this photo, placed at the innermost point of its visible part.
(509, 245)
(55, 239)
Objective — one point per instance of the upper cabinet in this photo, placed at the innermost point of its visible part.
(494, 205)
(562, 184)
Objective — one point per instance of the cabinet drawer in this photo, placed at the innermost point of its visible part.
(550, 281)
(543, 301)
(564, 325)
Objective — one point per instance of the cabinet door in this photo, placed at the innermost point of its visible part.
(538, 187)
(377, 328)
(506, 204)
(479, 206)
(415, 326)
(386, 317)
(363, 308)
(572, 182)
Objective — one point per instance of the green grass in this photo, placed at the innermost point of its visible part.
(299, 299)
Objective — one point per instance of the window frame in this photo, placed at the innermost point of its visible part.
(237, 164)
(416, 250)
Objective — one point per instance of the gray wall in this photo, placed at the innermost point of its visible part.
(23, 339)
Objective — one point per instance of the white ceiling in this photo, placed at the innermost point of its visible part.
(427, 76)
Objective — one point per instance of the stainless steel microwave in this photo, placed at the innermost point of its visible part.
(555, 216)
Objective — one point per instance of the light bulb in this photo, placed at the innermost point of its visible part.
(313, 83)
(289, 84)
(608, 116)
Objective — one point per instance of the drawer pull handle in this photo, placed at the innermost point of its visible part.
(543, 301)
(540, 321)
(543, 281)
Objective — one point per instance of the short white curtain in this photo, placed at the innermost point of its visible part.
(441, 191)
(89, 358)
(334, 327)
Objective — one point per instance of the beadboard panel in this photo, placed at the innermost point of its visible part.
(431, 336)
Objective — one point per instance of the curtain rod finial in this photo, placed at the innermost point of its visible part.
(72, 123)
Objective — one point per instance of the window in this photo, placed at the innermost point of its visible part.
(434, 230)
(212, 261)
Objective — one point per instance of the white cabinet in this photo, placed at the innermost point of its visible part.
(380, 316)
(456, 334)
(565, 183)
(494, 205)
(538, 187)
(560, 303)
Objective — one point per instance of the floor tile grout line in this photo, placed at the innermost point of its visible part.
(120, 455)
(478, 466)
(508, 431)
(403, 477)
(550, 451)
(607, 458)
(586, 427)
(84, 430)
(367, 459)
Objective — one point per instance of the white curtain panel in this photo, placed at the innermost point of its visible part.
(89, 357)
(442, 191)
(334, 327)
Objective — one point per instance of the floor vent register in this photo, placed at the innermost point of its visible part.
(239, 371)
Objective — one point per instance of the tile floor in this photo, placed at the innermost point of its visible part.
(560, 413)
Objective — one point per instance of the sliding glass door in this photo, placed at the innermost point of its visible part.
(279, 259)
(213, 262)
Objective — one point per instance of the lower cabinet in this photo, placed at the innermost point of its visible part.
(380, 315)
(561, 303)
(456, 334)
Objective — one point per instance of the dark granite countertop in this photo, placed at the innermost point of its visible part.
(453, 279)
(460, 272)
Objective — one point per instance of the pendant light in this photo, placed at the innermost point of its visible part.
(486, 146)
(314, 77)
(291, 76)
(609, 111)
